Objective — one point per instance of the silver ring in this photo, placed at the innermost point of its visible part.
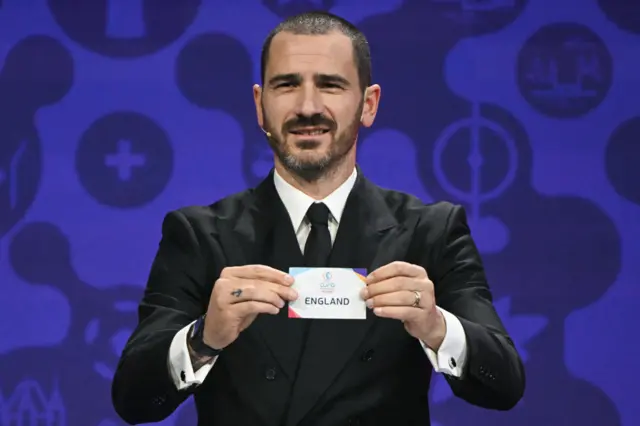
(417, 300)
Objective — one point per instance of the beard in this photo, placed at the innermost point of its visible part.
(312, 169)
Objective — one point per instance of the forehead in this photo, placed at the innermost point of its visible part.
(327, 53)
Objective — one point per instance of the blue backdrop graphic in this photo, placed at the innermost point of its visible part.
(113, 112)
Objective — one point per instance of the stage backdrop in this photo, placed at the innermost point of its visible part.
(114, 112)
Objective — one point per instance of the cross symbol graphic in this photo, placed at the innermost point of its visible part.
(124, 160)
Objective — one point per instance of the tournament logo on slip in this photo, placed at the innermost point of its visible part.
(327, 285)
(564, 70)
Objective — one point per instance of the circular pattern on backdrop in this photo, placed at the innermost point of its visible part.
(469, 18)
(37, 71)
(622, 14)
(124, 160)
(622, 158)
(214, 70)
(286, 8)
(124, 28)
(475, 160)
(20, 172)
(564, 70)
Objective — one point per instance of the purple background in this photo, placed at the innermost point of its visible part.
(113, 112)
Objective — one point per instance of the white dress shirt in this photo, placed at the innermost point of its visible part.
(449, 359)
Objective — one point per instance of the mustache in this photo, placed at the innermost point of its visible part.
(309, 121)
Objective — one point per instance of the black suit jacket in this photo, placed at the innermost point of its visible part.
(369, 372)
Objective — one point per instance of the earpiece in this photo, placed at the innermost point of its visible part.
(265, 132)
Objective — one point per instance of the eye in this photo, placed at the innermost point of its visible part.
(331, 87)
(284, 85)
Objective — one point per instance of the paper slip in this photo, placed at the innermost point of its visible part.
(328, 293)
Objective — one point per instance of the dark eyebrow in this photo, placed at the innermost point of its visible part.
(285, 78)
(322, 79)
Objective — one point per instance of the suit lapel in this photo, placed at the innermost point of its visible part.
(263, 234)
(368, 237)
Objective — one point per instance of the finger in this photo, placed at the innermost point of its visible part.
(399, 298)
(257, 272)
(243, 290)
(248, 294)
(390, 285)
(395, 269)
(285, 293)
(253, 307)
(402, 313)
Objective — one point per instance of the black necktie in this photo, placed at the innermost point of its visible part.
(318, 245)
(316, 254)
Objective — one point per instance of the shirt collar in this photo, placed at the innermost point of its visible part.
(297, 202)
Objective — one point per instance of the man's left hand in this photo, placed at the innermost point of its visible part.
(404, 291)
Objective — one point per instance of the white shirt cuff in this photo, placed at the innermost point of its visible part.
(180, 362)
(452, 354)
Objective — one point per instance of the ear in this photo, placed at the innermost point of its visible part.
(370, 105)
(257, 98)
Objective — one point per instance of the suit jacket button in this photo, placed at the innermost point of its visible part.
(270, 374)
(368, 355)
(355, 422)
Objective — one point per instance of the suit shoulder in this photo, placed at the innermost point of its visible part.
(406, 204)
(196, 215)
(440, 211)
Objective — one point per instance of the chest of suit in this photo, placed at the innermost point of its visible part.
(262, 363)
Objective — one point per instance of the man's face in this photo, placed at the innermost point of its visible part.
(311, 102)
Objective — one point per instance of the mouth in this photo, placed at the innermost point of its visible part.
(309, 131)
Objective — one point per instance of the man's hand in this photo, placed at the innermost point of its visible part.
(238, 296)
(403, 291)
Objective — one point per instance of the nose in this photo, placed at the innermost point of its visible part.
(309, 102)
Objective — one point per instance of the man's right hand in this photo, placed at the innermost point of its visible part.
(239, 295)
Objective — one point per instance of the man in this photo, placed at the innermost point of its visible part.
(212, 322)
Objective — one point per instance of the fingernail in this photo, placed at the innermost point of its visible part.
(369, 303)
(293, 294)
(288, 279)
(364, 293)
(281, 304)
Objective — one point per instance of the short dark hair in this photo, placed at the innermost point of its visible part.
(320, 23)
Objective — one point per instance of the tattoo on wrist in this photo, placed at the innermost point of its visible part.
(197, 361)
